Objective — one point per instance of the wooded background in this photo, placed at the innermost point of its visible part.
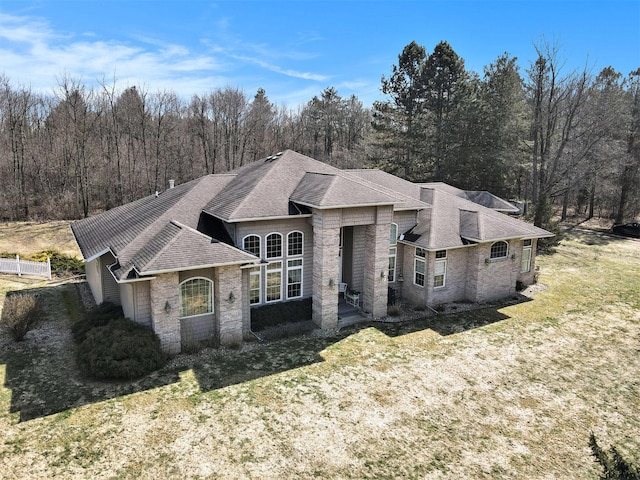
(565, 142)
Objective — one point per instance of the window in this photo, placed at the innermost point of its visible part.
(251, 244)
(274, 282)
(392, 264)
(440, 269)
(294, 278)
(393, 252)
(525, 266)
(254, 286)
(419, 267)
(440, 273)
(274, 245)
(499, 250)
(294, 244)
(196, 297)
(393, 237)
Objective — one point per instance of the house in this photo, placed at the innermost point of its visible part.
(193, 261)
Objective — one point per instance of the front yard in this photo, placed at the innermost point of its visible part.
(495, 393)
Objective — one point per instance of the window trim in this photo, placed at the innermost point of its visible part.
(301, 244)
(266, 280)
(423, 260)
(391, 274)
(211, 299)
(495, 244)
(259, 255)
(266, 245)
(528, 249)
(256, 272)
(395, 237)
(440, 261)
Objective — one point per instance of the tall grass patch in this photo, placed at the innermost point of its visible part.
(22, 312)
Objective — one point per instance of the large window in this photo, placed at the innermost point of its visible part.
(294, 244)
(274, 282)
(251, 244)
(254, 286)
(440, 269)
(526, 256)
(499, 250)
(196, 297)
(294, 278)
(274, 245)
(419, 266)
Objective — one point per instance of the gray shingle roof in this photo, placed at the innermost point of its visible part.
(454, 221)
(481, 197)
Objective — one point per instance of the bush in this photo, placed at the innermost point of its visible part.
(98, 316)
(614, 465)
(21, 313)
(121, 349)
(280, 313)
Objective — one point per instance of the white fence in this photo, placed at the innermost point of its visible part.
(25, 267)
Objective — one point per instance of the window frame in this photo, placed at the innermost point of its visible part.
(391, 275)
(266, 245)
(181, 297)
(289, 254)
(443, 275)
(255, 272)
(299, 268)
(393, 239)
(493, 253)
(270, 270)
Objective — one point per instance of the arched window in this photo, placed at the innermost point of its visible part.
(196, 297)
(274, 245)
(251, 244)
(499, 250)
(294, 244)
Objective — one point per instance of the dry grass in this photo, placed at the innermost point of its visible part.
(26, 238)
(497, 393)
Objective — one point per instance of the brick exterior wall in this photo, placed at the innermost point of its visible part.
(164, 288)
(455, 288)
(375, 292)
(359, 254)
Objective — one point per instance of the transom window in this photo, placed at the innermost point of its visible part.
(251, 244)
(499, 250)
(393, 237)
(294, 244)
(196, 297)
(421, 252)
(274, 245)
(441, 254)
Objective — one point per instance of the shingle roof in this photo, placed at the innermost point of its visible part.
(454, 221)
(321, 190)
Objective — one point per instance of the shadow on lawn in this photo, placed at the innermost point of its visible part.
(44, 379)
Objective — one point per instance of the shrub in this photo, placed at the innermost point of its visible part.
(96, 317)
(614, 465)
(280, 313)
(121, 349)
(21, 313)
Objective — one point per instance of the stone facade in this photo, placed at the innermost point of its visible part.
(375, 291)
(229, 304)
(326, 246)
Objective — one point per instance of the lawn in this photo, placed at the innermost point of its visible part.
(508, 392)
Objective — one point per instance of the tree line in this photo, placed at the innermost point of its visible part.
(562, 141)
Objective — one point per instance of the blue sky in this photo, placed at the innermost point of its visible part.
(294, 49)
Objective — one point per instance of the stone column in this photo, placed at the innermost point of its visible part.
(165, 309)
(229, 311)
(376, 267)
(326, 245)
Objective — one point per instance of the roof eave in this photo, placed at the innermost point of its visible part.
(196, 267)
(350, 205)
